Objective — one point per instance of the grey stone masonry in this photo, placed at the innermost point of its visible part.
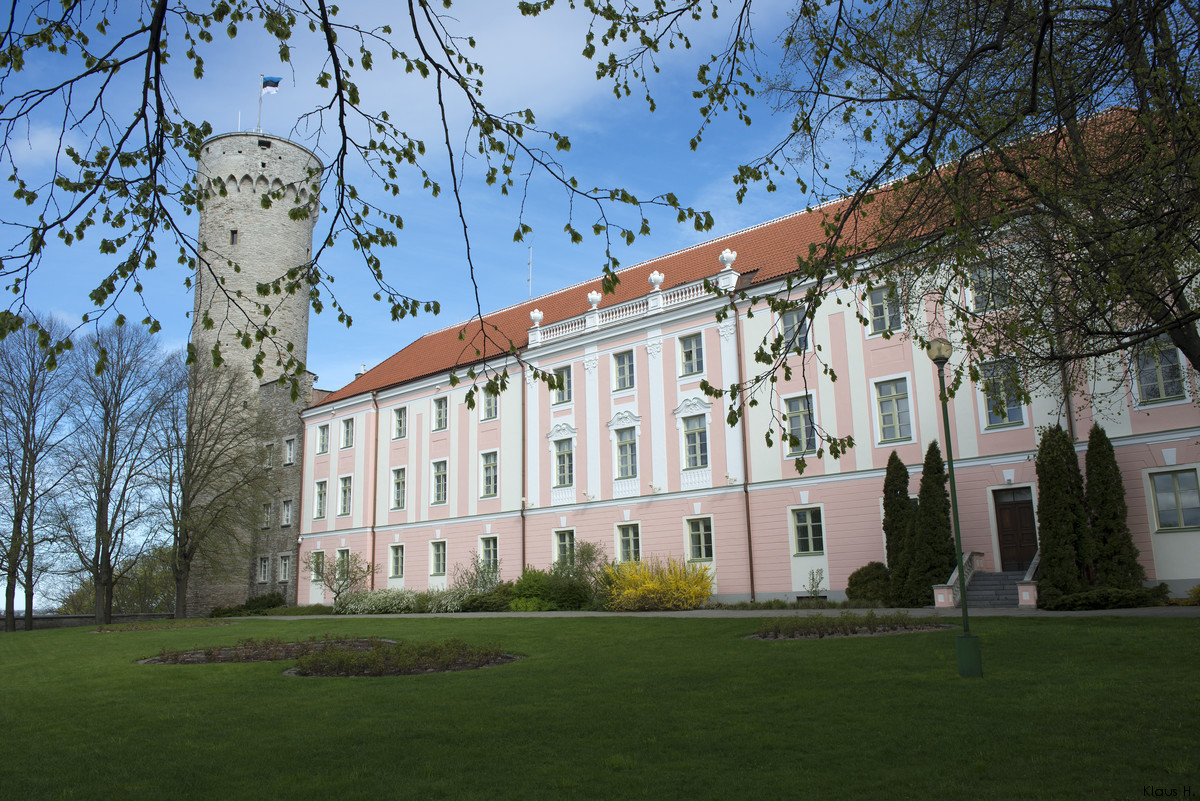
(245, 247)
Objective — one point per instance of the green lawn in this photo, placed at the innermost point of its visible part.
(612, 708)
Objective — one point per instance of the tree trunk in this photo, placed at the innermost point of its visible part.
(181, 585)
(10, 592)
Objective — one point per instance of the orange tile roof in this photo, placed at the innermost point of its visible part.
(769, 249)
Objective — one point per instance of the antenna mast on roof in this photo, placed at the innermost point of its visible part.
(531, 271)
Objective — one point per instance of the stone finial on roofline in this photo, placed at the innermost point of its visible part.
(594, 298)
(656, 279)
(727, 278)
(535, 333)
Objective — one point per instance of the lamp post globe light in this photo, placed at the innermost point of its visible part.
(970, 661)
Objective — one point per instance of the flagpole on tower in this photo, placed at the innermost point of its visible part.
(260, 97)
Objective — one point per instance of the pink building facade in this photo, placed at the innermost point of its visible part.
(629, 452)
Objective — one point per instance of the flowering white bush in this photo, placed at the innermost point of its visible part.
(379, 602)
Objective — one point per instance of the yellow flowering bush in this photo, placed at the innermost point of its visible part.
(656, 584)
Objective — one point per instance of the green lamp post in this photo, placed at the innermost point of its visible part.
(970, 660)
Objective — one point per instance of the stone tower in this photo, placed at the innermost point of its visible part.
(245, 246)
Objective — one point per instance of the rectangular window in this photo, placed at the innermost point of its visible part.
(564, 542)
(1176, 499)
(289, 450)
(437, 559)
(343, 563)
(700, 541)
(885, 310)
(807, 524)
(695, 442)
(264, 568)
(397, 561)
(345, 487)
(1001, 393)
(318, 565)
(894, 423)
(319, 501)
(489, 479)
(398, 487)
(348, 433)
(400, 423)
(623, 367)
(631, 542)
(491, 406)
(441, 414)
(285, 568)
(989, 285)
(266, 515)
(691, 354)
(285, 513)
(562, 382)
(323, 439)
(564, 463)
(440, 479)
(626, 453)
(233, 236)
(1159, 375)
(489, 553)
(794, 326)
(270, 454)
(802, 434)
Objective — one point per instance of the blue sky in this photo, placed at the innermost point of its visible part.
(528, 62)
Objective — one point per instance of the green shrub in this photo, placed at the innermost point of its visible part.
(562, 587)
(844, 625)
(497, 600)
(657, 584)
(1194, 595)
(871, 582)
(533, 583)
(296, 611)
(531, 605)
(1105, 598)
(255, 606)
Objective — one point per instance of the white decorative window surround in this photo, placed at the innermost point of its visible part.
(562, 444)
(693, 419)
(793, 325)
(441, 414)
(319, 500)
(625, 430)
(289, 450)
(563, 392)
(1158, 374)
(491, 407)
(323, 438)
(691, 355)
(400, 423)
(798, 411)
(884, 310)
(1000, 394)
(623, 371)
(348, 433)
(489, 474)
(441, 479)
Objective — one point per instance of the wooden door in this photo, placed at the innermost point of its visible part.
(1015, 528)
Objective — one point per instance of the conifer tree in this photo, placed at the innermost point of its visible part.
(932, 557)
(897, 512)
(1062, 519)
(1117, 562)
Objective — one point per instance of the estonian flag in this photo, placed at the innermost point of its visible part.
(270, 85)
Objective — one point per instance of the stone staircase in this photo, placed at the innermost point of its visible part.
(993, 589)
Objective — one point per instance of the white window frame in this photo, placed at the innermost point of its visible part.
(289, 451)
(345, 495)
(268, 513)
(316, 560)
(441, 414)
(323, 438)
(348, 433)
(433, 482)
(285, 568)
(563, 543)
(987, 293)
(1180, 509)
(626, 460)
(620, 531)
(884, 301)
(808, 428)
(880, 440)
(564, 394)
(399, 482)
(400, 423)
(342, 565)
(438, 553)
(320, 499)
(564, 456)
(483, 474)
(786, 324)
(264, 569)
(624, 380)
(285, 513)
(794, 529)
(1157, 349)
(489, 551)
(269, 459)
(691, 541)
(700, 443)
(490, 408)
(691, 354)
(396, 560)
(987, 404)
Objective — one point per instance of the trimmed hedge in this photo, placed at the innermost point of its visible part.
(1106, 598)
